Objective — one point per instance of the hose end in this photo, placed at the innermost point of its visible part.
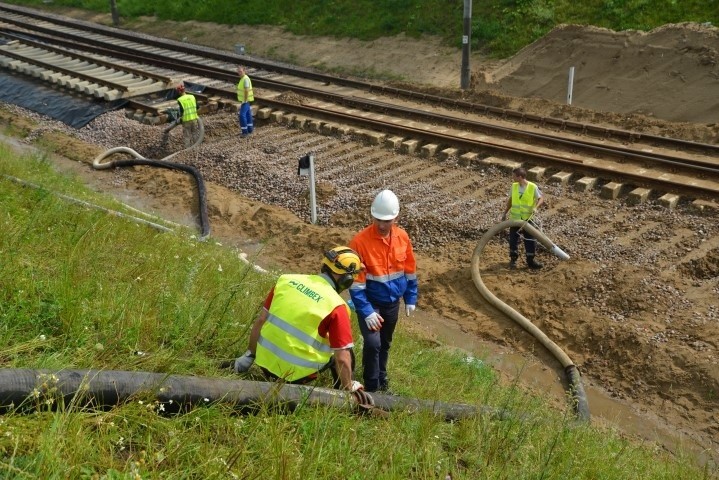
(559, 253)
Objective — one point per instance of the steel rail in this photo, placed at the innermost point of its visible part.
(354, 102)
(65, 71)
(27, 41)
(367, 86)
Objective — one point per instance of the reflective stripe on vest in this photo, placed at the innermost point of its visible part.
(290, 345)
(241, 90)
(189, 107)
(522, 206)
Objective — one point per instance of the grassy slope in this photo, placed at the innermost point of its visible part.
(82, 289)
(499, 27)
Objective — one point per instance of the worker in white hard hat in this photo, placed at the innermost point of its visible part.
(304, 326)
(390, 275)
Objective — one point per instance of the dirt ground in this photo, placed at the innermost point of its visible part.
(637, 312)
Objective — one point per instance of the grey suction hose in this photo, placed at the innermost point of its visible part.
(163, 163)
(25, 389)
(573, 378)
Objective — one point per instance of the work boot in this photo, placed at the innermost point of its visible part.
(512, 263)
(533, 264)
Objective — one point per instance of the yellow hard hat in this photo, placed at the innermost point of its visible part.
(345, 262)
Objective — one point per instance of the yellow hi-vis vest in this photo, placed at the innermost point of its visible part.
(289, 345)
(189, 107)
(522, 206)
(241, 90)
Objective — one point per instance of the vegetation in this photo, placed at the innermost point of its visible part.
(499, 27)
(84, 289)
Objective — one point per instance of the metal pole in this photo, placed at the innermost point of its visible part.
(115, 13)
(570, 87)
(313, 198)
(464, 82)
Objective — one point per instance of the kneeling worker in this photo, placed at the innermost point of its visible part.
(305, 326)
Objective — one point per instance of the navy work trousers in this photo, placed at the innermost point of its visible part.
(375, 351)
(530, 243)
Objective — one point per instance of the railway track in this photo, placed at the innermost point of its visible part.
(589, 156)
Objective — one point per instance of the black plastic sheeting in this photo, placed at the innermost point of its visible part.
(75, 111)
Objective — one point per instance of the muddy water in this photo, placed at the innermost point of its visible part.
(547, 380)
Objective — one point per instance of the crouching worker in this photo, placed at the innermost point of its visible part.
(304, 327)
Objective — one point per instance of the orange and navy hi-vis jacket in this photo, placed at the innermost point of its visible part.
(390, 269)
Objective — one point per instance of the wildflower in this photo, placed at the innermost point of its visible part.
(42, 338)
(219, 268)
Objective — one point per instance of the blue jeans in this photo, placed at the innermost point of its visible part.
(375, 351)
(244, 115)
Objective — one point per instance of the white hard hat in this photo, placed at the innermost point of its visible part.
(385, 205)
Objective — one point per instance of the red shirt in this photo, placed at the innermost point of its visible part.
(336, 326)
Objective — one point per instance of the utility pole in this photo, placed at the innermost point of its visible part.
(115, 13)
(464, 82)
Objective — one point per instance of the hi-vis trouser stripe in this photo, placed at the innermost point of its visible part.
(287, 357)
(385, 278)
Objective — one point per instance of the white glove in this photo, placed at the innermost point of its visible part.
(409, 309)
(373, 321)
(356, 386)
(243, 363)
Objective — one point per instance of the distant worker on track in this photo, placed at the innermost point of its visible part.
(524, 199)
(304, 326)
(245, 95)
(390, 275)
(188, 116)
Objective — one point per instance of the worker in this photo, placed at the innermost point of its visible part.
(524, 199)
(389, 275)
(188, 116)
(304, 326)
(245, 95)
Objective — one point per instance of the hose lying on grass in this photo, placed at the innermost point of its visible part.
(574, 380)
(26, 389)
(163, 163)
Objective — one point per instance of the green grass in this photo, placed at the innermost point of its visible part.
(499, 27)
(84, 289)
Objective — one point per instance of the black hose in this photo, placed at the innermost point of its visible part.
(27, 389)
(163, 163)
(579, 396)
(201, 190)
